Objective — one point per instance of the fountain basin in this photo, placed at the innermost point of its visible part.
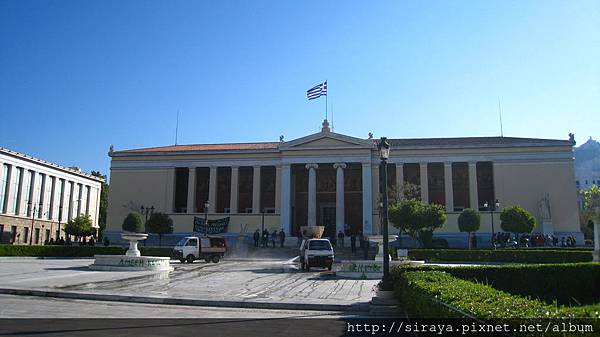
(131, 263)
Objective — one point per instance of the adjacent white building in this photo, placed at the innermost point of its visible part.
(38, 197)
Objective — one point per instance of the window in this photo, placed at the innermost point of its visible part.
(181, 188)
(1, 233)
(192, 243)
(485, 184)
(435, 179)
(460, 186)
(13, 234)
(25, 234)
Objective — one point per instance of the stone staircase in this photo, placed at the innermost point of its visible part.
(345, 253)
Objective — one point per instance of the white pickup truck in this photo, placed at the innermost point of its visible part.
(191, 248)
(316, 253)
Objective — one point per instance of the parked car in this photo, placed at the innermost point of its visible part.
(191, 248)
(316, 253)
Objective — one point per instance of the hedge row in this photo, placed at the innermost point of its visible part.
(74, 251)
(568, 283)
(437, 294)
(505, 255)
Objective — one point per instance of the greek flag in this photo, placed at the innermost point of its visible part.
(317, 91)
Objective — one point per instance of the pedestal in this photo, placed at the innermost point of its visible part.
(133, 239)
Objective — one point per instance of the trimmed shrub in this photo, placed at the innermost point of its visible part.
(568, 283)
(469, 221)
(504, 255)
(437, 294)
(75, 251)
(516, 220)
(133, 223)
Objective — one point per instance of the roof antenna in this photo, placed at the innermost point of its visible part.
(177, 127)
(500, 113)
(332, 128)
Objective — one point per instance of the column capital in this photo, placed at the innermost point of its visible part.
(447, 163)
(472, 163)
(311, 166)
(339, 165)
(423, 164)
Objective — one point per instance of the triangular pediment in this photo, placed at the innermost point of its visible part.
(327, 140)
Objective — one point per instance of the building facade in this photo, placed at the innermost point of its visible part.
(332, 179)
(37, 198)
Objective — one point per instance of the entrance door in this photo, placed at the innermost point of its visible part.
(328, 220)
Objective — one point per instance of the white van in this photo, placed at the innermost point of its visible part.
(316, 253)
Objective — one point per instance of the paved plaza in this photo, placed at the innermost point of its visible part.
(273, 284)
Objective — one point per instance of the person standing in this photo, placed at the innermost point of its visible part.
(353, 243)
(281, 238)
(274, 238)
(341, 238)
(256, 238)
(365, 247)
(265, 238)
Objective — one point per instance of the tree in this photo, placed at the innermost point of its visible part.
(160, 223)
(133, 223)
(516, 220)
(433, 216)
(591, 199)
(469, 221)
(417, 219)
(79, 226)
(103, 202)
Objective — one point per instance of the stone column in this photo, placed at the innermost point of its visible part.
(191, 191)
(286, 201)
(448, 187)
(312, 194)
(340, 219)
(424, 183)
(8, 199)
(400, 180)
(473, 197)
(278, 190)
(596, 253)
(367, 199)
(256, 190)
(375, 187)
(234, 194)
(169, 205)
(212, 190)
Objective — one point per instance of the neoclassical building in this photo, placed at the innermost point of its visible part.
(332, 179)
(37, 198)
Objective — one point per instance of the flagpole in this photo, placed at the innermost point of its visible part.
(326, 100)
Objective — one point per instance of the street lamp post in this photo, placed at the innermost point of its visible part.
(384, 153)
(32, 208)
(491, 208)
(146, 211)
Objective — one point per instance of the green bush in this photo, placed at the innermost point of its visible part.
(437, 294)
(133, 223)
(74, 251)
(568, 283)
(505, 255)
(516, 219)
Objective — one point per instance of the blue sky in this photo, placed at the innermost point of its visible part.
(77, 76)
